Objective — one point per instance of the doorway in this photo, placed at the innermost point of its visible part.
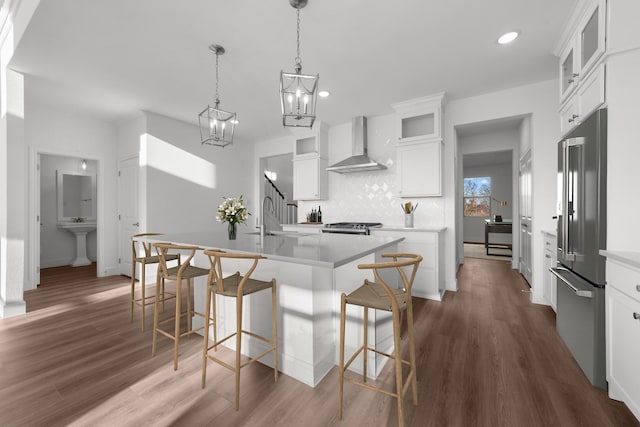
(489, 149)
(50, 245)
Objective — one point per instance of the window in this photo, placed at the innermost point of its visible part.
(477, 196)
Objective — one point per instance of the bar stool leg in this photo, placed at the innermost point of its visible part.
(398, 366)
(365, 321)
(143, 285)
(274, 317)
(238, 347)
(341, 365)
(133, 288)
(189, 309)
(155, 319)
(205, 348)
(176, 337)
(412, 352)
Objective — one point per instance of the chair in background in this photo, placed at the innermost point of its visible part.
(141, 254)
(380, 296)
(236, 286)
(183, 271)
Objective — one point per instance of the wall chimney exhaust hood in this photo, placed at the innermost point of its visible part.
(359, 161)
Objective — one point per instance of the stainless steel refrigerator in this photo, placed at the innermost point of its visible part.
(582, 204)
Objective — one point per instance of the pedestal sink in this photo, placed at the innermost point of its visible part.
(80, 230)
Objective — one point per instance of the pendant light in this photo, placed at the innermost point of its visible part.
(298, 92)
(216, 125)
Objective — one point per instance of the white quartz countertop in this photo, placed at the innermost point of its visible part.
(318, 249)
(626, 257)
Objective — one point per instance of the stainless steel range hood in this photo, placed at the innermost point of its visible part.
(359, 161)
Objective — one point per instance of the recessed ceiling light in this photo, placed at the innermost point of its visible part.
(324, 93)
(508, 37)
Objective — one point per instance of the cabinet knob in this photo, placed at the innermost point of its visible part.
(636, 316)
(638, 288)
(547, 256)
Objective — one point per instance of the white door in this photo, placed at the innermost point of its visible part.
(128, 221)
(526, 216)
(38, 219)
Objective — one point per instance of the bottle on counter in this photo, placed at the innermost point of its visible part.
(319, 214)
(313, 215)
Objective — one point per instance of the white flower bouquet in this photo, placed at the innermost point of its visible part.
(232, 210)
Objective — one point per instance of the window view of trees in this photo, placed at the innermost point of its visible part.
(477, 196)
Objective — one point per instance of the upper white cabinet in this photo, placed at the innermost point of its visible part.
(420, 118)
(582, 71)
(310, 142)
(310, 180)
(419, 169)
(419, 148)
(583, 47)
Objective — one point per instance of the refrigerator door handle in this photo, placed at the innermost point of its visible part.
(578, 292)
(568, 194)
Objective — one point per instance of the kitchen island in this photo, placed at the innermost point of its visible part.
(311, 270)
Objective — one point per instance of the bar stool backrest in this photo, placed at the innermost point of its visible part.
(146, 246)
(163, 249)
(399, 260)
(216, 276)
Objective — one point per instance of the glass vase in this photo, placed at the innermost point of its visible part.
(232, 229)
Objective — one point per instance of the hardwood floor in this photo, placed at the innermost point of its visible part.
(486, 357)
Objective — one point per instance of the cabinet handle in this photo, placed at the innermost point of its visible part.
(573, 78)
(636, 316)
(547, 256)
(638, 288)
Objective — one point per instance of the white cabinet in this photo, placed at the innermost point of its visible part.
(622, 309)
(419, 169)
(420, 118)
(549, 291)
(429, 282)
(310, 179)
(419, 148)
(582, 71)
(589, 96)
(583, 48)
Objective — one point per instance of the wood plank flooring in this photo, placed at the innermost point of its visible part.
(486, 357)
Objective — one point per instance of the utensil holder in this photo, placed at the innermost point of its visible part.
(408, 220)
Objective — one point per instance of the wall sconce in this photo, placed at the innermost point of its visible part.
(503, 203)
(83, 165)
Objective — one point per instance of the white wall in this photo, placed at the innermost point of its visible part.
(186, 181)
(540, 101)
(501, 189)
(57, 246)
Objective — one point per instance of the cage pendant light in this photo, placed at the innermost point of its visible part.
(217, 126)
(298, 92)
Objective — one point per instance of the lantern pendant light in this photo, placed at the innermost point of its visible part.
(298, 92)
(217, 126)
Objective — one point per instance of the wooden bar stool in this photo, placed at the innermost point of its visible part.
(379, 295)
(183, 271)
(141, 253)
(236, 286)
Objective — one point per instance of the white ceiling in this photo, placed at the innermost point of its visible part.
(113, 59)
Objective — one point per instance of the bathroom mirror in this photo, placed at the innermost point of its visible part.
(76, 196)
